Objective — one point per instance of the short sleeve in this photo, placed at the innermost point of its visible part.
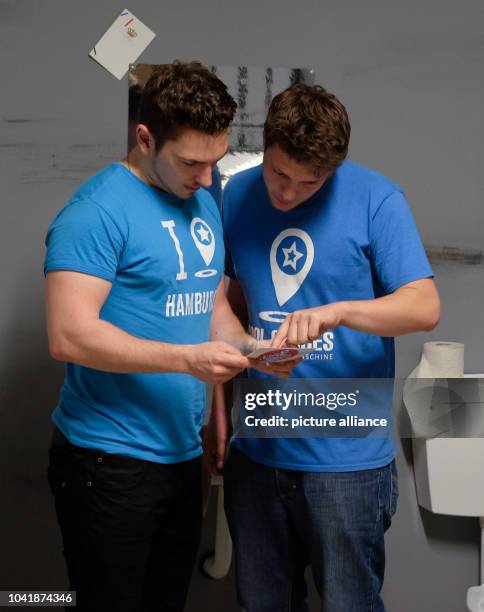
(215, 188)
(83, 237)
(398, 254)
(229, 263)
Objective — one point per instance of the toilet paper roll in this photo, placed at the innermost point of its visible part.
(440, 360)
(426, 393)
(475, 598)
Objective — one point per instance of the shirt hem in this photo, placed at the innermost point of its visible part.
(119, 449)
(73, 267)
(302, 467)
(405, 280)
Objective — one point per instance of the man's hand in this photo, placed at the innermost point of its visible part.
(214, 441)
(410, 308)
(282, 369)
(215, 362)
(303, 326)
(216, 434)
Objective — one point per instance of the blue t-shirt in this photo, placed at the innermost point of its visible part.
(164, 257)
(355, 239)
(215, 189)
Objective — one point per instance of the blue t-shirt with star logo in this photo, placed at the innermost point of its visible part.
(355, 239)
(164, 257)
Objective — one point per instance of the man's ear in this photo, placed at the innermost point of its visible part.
(144, 139)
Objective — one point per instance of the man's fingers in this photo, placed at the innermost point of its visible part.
(208, 459)
(261, 365)
(281, 334)
(288, 364)
(228, 348)
(211, 460)
(303, 330)
(292, 330)
(234, 360)
(313, 329)
(279, 339)
(281, 368)
(220, 454)
(284, 368)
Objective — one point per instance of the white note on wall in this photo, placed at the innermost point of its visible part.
(122, 44)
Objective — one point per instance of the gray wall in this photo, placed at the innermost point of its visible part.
(411, 77)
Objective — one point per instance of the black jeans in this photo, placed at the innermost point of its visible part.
(130, 528)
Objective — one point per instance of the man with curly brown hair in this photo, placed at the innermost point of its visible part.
(137, 309)
(334, 262)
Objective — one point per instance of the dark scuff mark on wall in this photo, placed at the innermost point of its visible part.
(466, 256)
(41, 164)
(242, 91)
(296, 76)
(27, 119)
(21, 120)
(269, 81)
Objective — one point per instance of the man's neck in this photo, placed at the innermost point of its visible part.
(133, 162)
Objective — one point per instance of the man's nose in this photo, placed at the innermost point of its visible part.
(205, 177)
(288, 192)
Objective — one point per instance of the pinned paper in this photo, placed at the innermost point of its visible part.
(122, 44)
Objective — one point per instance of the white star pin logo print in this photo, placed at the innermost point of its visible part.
(286, 277)
(204, 240)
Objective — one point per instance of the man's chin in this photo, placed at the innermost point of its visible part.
(184, 194)
(282, 206)
(189, 192)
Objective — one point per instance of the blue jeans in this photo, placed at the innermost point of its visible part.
(282, 520)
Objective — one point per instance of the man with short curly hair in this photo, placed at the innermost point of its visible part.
(334, 262)
(137, 309)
